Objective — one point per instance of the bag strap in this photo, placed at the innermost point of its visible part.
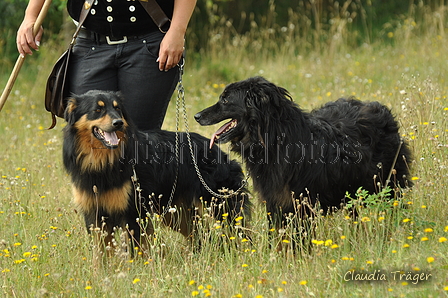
(82, 17)
(155, 12)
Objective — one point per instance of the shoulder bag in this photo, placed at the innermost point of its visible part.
(56, 92)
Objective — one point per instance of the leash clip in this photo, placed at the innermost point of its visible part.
(181, 65)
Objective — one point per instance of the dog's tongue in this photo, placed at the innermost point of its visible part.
(218, 133)
(111, 138)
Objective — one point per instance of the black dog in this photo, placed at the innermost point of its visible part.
(102, 150)
(295, 158)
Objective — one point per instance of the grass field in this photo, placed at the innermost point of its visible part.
(45, 250)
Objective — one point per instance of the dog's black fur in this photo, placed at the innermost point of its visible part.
(292, 155)
(102, 147)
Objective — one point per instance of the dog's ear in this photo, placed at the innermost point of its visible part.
(259, 93)
(281, 95)
(276, 95)
(273, 95)
(250, 98)
(69, 114)
(267, 98)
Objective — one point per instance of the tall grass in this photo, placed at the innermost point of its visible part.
(45, 250)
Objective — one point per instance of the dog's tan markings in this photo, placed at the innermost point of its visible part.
(71, 105)
(105, 123)
(115, 103)
(125, 124)
(182, 219)
(101, 103)
(120, 134)
(283, 197)
(179, 221)
(92, 155)
(112, 201)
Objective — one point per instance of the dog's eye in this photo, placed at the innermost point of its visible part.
(98, 110)
(224, 101)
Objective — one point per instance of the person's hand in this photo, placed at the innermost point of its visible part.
(26, 41)
(171, 49)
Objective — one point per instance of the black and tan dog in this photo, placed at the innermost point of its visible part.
(102, 150)
(299, 159)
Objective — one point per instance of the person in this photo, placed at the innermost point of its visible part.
(121, 49)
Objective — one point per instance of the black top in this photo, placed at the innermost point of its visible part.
(117, 18)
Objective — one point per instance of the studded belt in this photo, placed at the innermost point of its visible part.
(103, 39)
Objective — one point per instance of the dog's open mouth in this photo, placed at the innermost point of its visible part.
(109, 139)
(223, 130)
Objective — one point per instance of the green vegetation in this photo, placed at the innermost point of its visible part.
(45, 250)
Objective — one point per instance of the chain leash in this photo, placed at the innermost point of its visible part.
(180, 103)
(176, 146)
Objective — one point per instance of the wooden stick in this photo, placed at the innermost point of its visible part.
(20, 60)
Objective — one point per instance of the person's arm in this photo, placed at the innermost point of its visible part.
(172, 44)
(26, 41)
